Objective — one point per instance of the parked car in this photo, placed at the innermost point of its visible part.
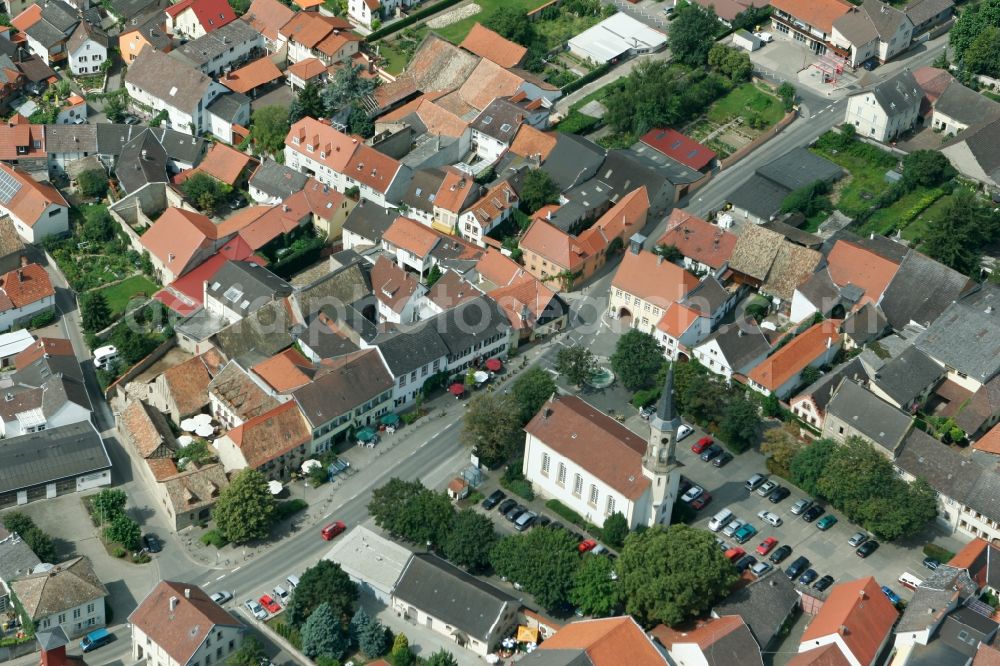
(684, 431)
(814, 512)
(780, 554)
(745, 563)
(221, 597)
(543, 521)
(495, 498)
(711, 452)
(801, 506)
(794, 569)
(692, 492)
(857, 539)
(647, 412)
(765, 488)
(151, 544)
(760, 569)
(723, 460)
(826, 522)
(778, 494)
(867, 548)
(771, 518)
(701, 501)
(731, 528)
(95, 639)
(702, 444)
(684, 485)
(272, 606)
(871, 64)
(765, 37)
(585, 545)
(525, 520)
(745, 533)
(281, 595)
(506, 506)
(734, 554)
(754, 482)
(767, 545)
(255, 609)
(809, 576)
(890, 595)
(823, 583)
(931, 563)
(332, 530)
(515, 513)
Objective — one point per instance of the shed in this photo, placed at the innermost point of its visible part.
(745, 40)
(458, 488)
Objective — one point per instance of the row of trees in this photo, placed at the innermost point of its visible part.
(856, 479)
(39, 542)
(975, 38)
(108, 507)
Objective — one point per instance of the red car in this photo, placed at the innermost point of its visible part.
(586, 544)
(702, 444)
(332, 530)
(701, 501)
(734, 554)
(272, 606)
(767, 545)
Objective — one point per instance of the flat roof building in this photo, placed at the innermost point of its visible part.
(615, 37)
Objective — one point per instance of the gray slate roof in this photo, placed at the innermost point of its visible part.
(158, 74)
(573, 161)
(708, 297)
(500, 120)
(924, 10)
(944, 468)
(897, 95)
(759, 196)
(352, 382)
(16, 558)
(229, 104)
(151, 28)
(470, 323)
(884, 17)
(84, 31)
(906, 376)
(422, 189)
(411, 347)
(278, 180)
(452, 596)
(878, 421)
(764, 605)
(45, 33)
(864, 324)
(981, 140)
(369, 220)
(822, 389)
(253, 285)
(966, 336)
(966, 106)
(71, 138)
(201, 51)
(49, 455)
(740, 343)
(112, 139)
(127, 9)
(800, 167)
(939, 589)
(921, 290)
(265, 331)
(143, 160)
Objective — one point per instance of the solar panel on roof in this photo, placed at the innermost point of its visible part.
(9, 187)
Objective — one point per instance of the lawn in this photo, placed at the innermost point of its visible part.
(744, 101)
(120, 294)
(902, 215)
(867, 166)
(395, 59)
(398, 49)
(916, 230)
(456, 32)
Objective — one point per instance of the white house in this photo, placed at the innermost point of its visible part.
(87, 48)
(363, 12)
(733, 349)
(496, 206)
(178, 624)
(191, 19)
(596, 466)
(73, 111)
(886, 110)
(67, 595)
(25, 292)
(157, 83)
(781, 372)
(37, 209)
(315, 35)
(396, 291)
(221, 50)
(644, 286)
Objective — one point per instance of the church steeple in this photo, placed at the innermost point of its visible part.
(660, 449)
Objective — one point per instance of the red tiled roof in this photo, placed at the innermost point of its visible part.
(593, 440)
(251, 76)
(626, 215)
(494, 204)
(790, 360)
(990, 442)
(697, 239)
(500, 269)
(41, 347)
(329, 147)
(523, 302)
(392, 285)
(272, 221)
(177, 235)
(27, 285)
(679, 148)
(191, 284)
(451, 290)
(860, 613)
(310, 28)
(704, 634)
(817, 13)
(372, 168)
(211, 14)
(225, 163)
(27, 18)
(613, 640)
(411, 236)
(454, 190)
(32, 198)
(653, 279)
(188, 382)
(307, 69)
(268, 16)
(272, 434)
(177, 302)
(827, 655)
(485, 43)
(285, 371)
(851, 264)
(986, 655)
(487, 82)
(530, 141)
(677, 320)
(553, 244)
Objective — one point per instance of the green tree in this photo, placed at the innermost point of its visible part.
(672, 574)
(492, 427)
(16, 521)
(116, 106)
(94, 312)
(251, 653)
(346, 89)
(692, 35)
(637, 359)
(108, 504)
(205, 192)
(372, 638)
(245, 508)
(808, 464)
(409, 510)
(781, 445)
(308, 103)
(400, 654)
(441, 658)
(40, 544)
(542, 561)
(124, 530)
(810, 375)
(531, 390)
(269, 126)
(596, 590)
(575, 363)
(809, 199)
(92, 183)
(511, 23)
(975, 20)
(323, 583)
(739, 424)
(734, 63)
(537, 190)
(615, 529)
(983, 54)
(958, 236)
(669, 252)
(926, 168)
(470, 540)
(786, 91)
(360, 122)
(433, 275)
(323, 635)
(98, 226)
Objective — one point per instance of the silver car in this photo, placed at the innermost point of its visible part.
(760, 569)
(731, 528)
(766, 488)
(222, 597)
(684, 431)
(858, 539)
(256, 609)
(801, 506)
(693, 493)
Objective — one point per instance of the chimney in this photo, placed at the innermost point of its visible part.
(144, 154)
(20, 275)
(187, 592)
(548, 214)
(842, 629)
(173, 604)
(829, 342)
(24, 260)
(635, 243)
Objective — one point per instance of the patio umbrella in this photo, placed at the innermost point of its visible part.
(366, 434)
(185, 440)
(204, 431)
(481, 376)
(457, 389)
(389, 419)
(274, 487)
(202, 419)
(494, 365)
(189, 425)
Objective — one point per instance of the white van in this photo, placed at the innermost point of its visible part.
(720, 520)
(293, 581)
(909, 581)
(105, 356)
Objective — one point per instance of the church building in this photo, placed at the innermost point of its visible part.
(593, 464)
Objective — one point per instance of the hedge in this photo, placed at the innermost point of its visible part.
(416, 16)
(289, 508)
(940, 554)
(577, 123)
(592, 75)
(522, 488)
(213, 538)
